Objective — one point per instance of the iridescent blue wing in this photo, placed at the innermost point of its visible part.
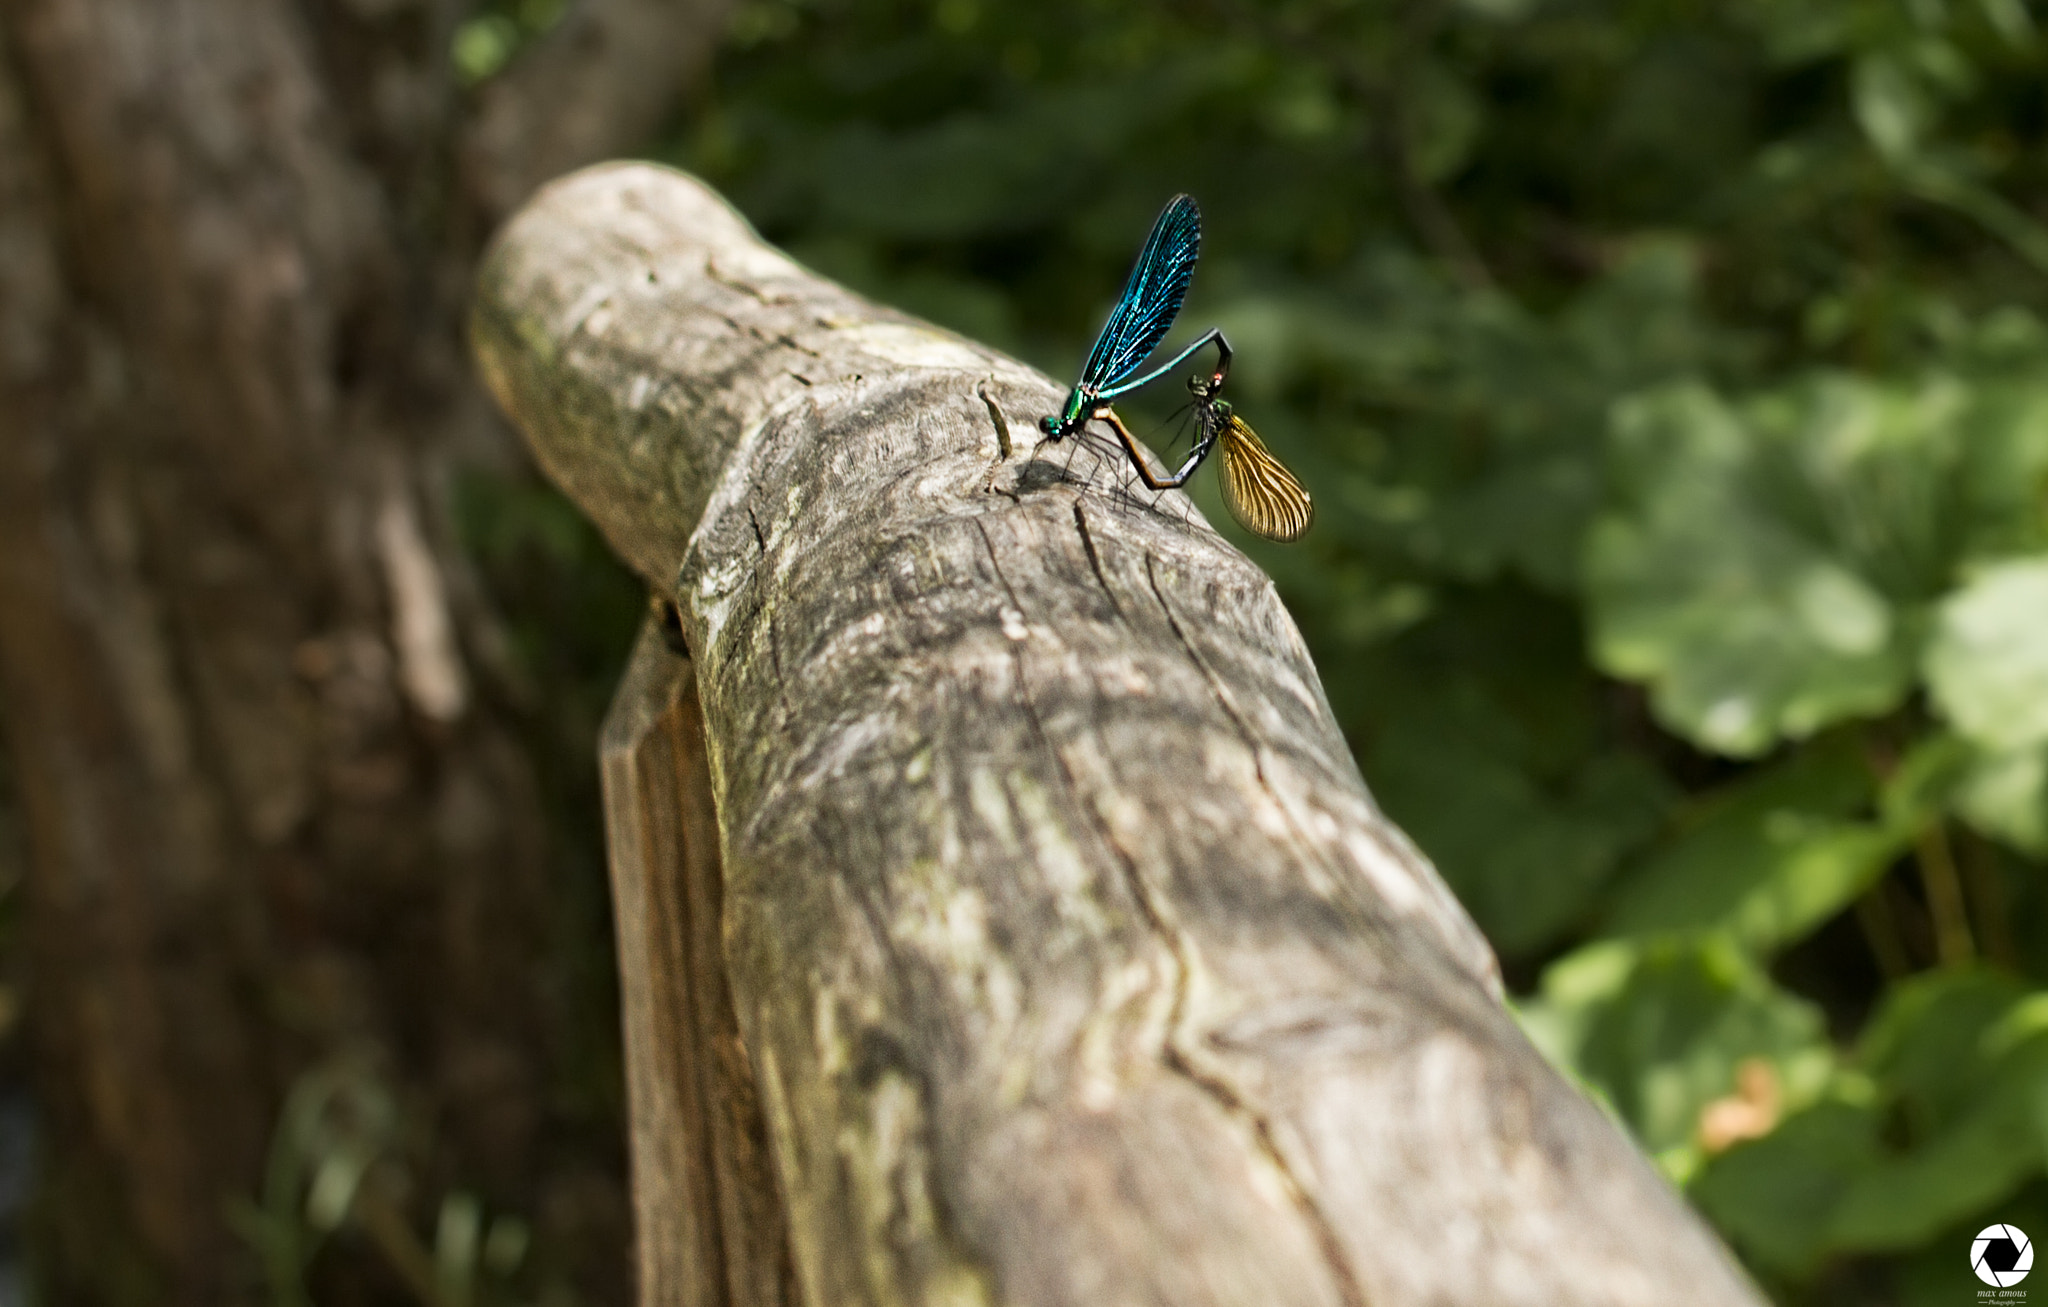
(1151, 299)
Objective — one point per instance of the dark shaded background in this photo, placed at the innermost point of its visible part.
(1671, 377)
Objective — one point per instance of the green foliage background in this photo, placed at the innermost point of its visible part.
(1673, 382)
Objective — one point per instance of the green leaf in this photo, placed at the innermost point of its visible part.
(1769, 858)
(1931, 1043)
(1946, 1116)
(1663, 1027)
(1442, 122)
(1901, 1201)
(2004, 795)
(1987, 664)
(2005, 439)
(1727, 583)
(1574, 990)
(2000, 793)
(1775, 1197)
(1943, 182)
(1920, 789)
(1961, 1057)
(1893, 109)
(1494, 440)
(1934, 1276)
(1503, 11)
(2011, 19)
(1524, 857)
(336, 1178)
(481, 46)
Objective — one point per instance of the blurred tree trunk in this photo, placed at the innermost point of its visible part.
(275, 811)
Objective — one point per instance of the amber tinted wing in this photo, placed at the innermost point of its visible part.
(1260, 493)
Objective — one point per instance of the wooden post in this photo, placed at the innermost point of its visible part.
(1072, 960)
(703, 1194)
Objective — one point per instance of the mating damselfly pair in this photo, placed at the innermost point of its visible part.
(1261, 494)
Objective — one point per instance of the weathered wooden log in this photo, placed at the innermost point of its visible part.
(1072, 960)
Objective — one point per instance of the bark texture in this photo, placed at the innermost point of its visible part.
(275, 813)
(1072, 958)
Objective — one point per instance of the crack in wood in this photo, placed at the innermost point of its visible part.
(743, 287)
(766, 607)
(1216, 686)
(1311, 1211)
(1349, 1290)
(1095, 562)
(1171, 1053)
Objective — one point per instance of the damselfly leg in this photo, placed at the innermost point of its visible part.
(1264, 497)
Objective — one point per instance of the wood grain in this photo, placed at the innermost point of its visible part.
(702, 1186)
(1074, 961)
